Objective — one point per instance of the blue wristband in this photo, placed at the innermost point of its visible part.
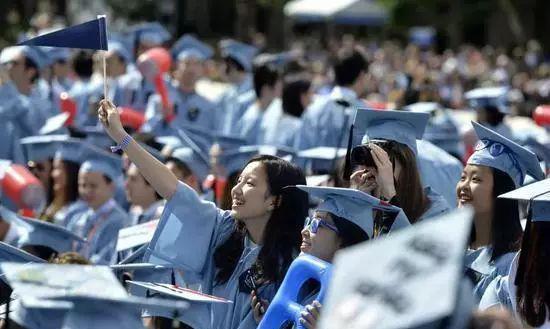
(123, 144)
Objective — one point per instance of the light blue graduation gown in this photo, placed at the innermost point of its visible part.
(232, 105)
(100, 228)
(439, 170)
(480, 262)
(323, 120)
(134, 91)
(187, 236)
(190, 109)
(152, 212)
(269, 127)
(438, 205)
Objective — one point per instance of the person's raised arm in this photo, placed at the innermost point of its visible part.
(155, 172)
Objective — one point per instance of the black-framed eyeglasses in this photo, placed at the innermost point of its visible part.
(313, 224)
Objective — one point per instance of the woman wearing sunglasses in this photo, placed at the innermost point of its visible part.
(383, 162)
(222, 250)
(345, 217)
(497, 166)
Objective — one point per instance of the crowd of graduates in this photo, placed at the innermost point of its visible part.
(238, 160)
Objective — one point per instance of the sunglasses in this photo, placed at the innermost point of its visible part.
(313, 224)
(496, 149)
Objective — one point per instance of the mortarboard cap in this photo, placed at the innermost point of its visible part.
(151, 33)
(321, 153)
(103, 162)
(135, 257)
(15, 255)
(278, 60)
(496, 151)
(121, 50)
(353, 205)
(400, 126)
(234, 160)
(36, 232)
(191, 158)
(421, 288)
(538, 194)
(56, 54)
(136, 235)
(74, 150)
(41, 148)
(55, 124)
(188, 46)
(489, 96)
(34, 54)
(242, 53)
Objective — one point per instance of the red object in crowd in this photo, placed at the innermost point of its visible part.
(23, 188)
(68, 105)
(376, 105)
(541, 115)
(217, 184)
(153, 64)
(131, 118)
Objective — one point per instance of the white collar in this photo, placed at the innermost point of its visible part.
(345, 93)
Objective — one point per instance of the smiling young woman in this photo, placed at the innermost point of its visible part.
(230, 253)
(497, 166)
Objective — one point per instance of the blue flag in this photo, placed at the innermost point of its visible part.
(89, 35)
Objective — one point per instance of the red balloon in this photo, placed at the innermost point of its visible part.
(541, 115)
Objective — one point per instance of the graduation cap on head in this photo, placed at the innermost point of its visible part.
(190, 47)
(496, 151)
(489, 96)
(538, 196)
(96, 136)
(41, 148)
(242, 53)
(35, 232)
(34, 54)
(234, 160)
(422, 288)
(151, 33)
(12, 254)
(74, 150)
(121, 50)
(353, 205)
(103, 162)
(58, 54)
(55, 124)
(400, 126)
(194, 160)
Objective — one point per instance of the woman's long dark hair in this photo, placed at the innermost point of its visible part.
(281, 238)
(349, 233)
(533, 286)
(408, 186)
(506, 231)
(71, 187)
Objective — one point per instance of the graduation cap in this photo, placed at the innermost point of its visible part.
(15, 255)
(353, 205)
(151, 33)
(55, 124)
(34, 54)
(34, 313)
(496, 151)
(96, 136)
(197, 163)
(121, 50)
(74, 150)
(242, 53)
(103, 162)
(422, 288)
(400, 126)
(58, 54)
(135, 257)
(41, 148)
(489, 96)
(190, 47)
(538, 196)
(99, 301)
(234, 160)
(35, 232)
